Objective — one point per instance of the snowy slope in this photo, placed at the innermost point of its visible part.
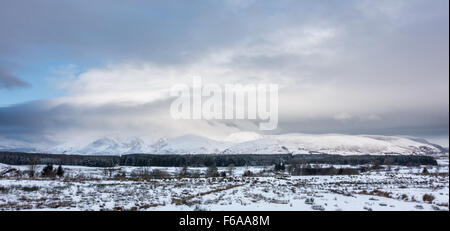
(103, 146)
(240, 137)
(188, 144)
(107, 145)
(334, 144)
(246, 143)
(11, 145)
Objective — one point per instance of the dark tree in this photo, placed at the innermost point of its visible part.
(184, 172)
(32, 168)
(60, 171)
(279, 167)
(212, 171)
(48, 171)
(230, 169)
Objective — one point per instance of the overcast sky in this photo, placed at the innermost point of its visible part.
(71, 69)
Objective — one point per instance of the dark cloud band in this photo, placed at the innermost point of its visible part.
(9, 81)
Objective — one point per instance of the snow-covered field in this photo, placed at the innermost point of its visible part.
(86, 188)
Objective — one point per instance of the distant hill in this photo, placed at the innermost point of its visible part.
(246, 143)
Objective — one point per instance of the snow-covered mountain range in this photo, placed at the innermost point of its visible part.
(246, 143)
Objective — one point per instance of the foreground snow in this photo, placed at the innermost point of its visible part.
(84, 188)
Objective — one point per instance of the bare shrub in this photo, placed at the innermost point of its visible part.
(32, 168)
(109, 171)
(404, 197)
(184, 172)
(299, 169)
(121, 175)
(159, 174)
(30, 188)
(231, 169)
(4, 189)
(428, 198)
(309, 201)
(248, 173)
(377, 192)
(318, 207)
(141, 173)
(212, 171)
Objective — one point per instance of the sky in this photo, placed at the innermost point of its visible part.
(84, 69)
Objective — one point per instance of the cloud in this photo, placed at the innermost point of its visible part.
(355, 67)
(343, 116)
(9, 81)
(166, 32)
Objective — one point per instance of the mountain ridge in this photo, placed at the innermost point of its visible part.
(248, 143)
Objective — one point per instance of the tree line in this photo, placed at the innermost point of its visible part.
(201, 160)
